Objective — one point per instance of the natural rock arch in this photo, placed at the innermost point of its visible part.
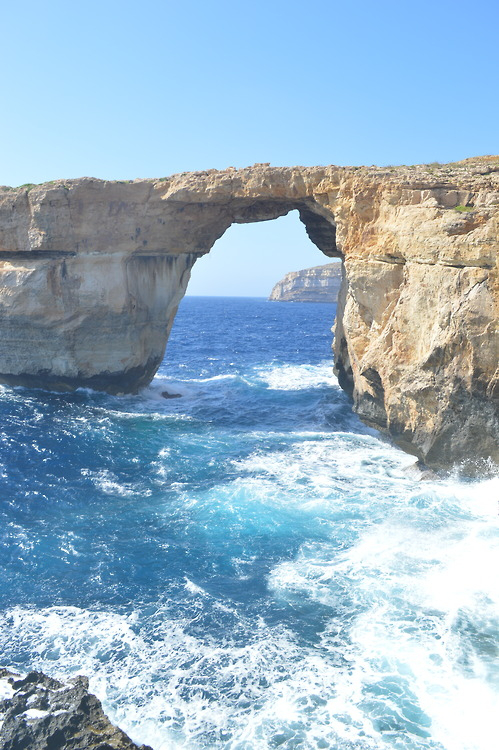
(92, 272)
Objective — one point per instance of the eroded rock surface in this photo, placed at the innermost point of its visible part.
(318, 284)
(38, 713)
(91, 274)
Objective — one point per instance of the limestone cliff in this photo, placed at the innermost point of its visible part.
(91, 273)
(318, 284)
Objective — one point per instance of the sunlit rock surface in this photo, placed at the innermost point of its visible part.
(92, 273)
(40, 713)
(318, 284)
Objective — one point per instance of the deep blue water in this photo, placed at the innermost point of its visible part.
(247, 566)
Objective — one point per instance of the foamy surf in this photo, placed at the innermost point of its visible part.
(298, 377)
(393, 661)
(423, 629)
(247, 567)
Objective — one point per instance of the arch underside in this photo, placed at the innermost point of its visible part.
(319, 224)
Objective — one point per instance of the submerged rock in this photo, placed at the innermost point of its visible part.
(40, 713)
(421, 473)
(318, 284)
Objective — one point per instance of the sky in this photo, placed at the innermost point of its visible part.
(119, 90)
(250, 258)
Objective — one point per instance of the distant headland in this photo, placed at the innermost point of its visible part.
(317, 284)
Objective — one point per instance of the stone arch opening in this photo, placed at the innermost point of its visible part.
(93, 271)
(319, 224)
(255, 253)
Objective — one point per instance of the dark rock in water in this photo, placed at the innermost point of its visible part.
(420, 472)
(165, 394)
(40, 713)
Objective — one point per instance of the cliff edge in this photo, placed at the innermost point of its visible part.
(91, 274)
(317, 284)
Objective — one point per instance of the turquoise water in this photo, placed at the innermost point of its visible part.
(247, 566)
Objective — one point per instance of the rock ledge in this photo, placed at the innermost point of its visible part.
(38, 713)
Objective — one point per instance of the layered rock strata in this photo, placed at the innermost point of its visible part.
(91, 274)
(40, 713)
(318, 284)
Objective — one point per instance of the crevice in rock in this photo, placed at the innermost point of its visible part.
(6, 255)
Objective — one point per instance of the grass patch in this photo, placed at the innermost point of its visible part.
(463, 209)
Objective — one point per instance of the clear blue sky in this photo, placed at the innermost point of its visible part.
(144, 89)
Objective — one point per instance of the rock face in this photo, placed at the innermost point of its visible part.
(38, 713)
(91, 274)
(318, 284)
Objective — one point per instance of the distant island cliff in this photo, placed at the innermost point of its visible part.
(318, 284)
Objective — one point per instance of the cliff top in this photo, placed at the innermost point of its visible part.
(474, 172)
(332, 269)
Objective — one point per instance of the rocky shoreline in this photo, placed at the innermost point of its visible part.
(38, 712)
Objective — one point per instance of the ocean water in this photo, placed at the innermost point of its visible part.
(247, 567)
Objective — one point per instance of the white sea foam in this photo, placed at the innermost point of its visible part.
(335, 469)
(193, 588)
(192, 390)
(297, 377)
(174, 690)
(6, 689)
(424, 622)
(414, 655)
(107, 482)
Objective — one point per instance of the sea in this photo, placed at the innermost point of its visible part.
(247, 566)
